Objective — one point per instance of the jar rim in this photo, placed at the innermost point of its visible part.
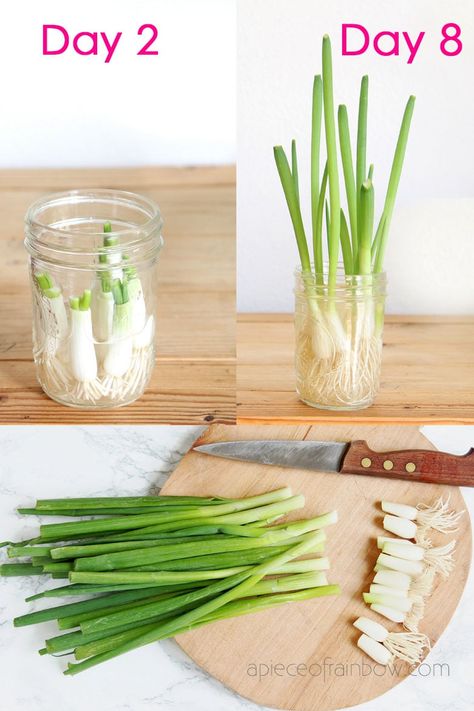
(43, 238)
(84, 194)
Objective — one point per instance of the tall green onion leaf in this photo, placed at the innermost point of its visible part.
(393, 182)
(316, 117)
(346, 245)
(361, 160)
(318, 234)
(288, 186)
(348, 169)
(328, 221)
(377, 238)
(330, 127)
(294, 169)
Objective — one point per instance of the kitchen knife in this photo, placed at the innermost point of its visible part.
(356, 457)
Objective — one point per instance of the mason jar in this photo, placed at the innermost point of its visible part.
(92, 260)
(338, 331)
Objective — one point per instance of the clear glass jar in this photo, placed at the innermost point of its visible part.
(338, 333)
(93, 257)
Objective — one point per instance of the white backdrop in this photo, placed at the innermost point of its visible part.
(431, 250)
(71, 110)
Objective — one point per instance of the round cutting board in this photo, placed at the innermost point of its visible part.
(303, 655)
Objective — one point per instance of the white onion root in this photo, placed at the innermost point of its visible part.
(338, 354)
(58, 382)
(408, 646)
(438, 517)
(415, 615)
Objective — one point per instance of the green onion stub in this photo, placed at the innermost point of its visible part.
(138, 591)
(340, 305)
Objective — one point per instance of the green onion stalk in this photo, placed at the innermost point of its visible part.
(111, 309)
(83, 358)
(339, 328)
(125, 502)
(142, 327)
(102, 296)
(120, 349)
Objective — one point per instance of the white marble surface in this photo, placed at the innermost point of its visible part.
(67, 461)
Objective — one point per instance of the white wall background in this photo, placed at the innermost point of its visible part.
(70, 110)
(431, 251)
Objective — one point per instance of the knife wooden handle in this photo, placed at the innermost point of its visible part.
(431, 467)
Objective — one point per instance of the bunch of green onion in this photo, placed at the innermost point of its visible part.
(149, 568)
(350, 231)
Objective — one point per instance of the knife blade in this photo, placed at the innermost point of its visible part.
(429, 466)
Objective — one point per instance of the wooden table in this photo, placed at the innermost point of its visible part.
(427, 373)
(194, 378)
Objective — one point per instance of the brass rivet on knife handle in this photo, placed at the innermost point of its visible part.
(429, 466)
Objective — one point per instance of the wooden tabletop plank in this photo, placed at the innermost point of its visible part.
(55, 179)
(179, 393)
(194, 381)
(427, 373)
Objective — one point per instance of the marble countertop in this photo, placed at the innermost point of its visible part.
(135, 460)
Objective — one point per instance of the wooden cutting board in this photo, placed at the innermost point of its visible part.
(308, 633)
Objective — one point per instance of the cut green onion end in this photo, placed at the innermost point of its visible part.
(85, 300)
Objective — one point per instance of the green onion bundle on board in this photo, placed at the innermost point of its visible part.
(153, 567)
(340, 307)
